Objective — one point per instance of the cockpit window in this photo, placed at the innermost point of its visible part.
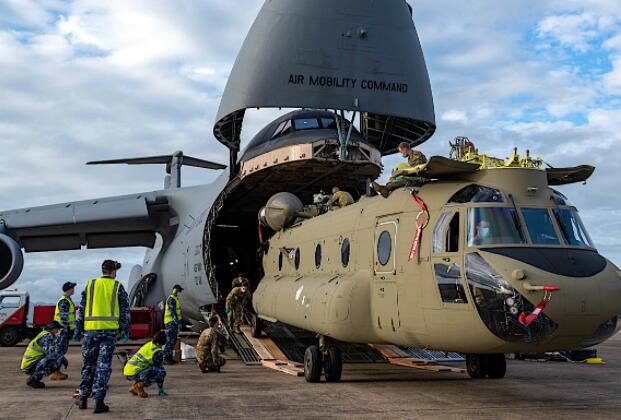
(573, 230)
(283, 129)
(540, 227)
(477, 194)
(493, 226)
(306, 124)
(560, 199)
(328, 123)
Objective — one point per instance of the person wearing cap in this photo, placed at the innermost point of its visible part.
(43, 356)
(65, 316)
(103, 314)
(172, 323)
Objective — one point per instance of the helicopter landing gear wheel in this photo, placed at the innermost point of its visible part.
(496, 366)
(332, 364)
(493, 366)
(313, 363)
(476, 365)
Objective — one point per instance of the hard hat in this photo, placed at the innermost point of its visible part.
(401, 167)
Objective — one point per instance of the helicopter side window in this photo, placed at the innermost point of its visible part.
(572, 228)
(448, 277)
(345, 253)
(540, 227)
(477, 194)
(280, 261)
(493, 226)
(446, 234)
(306, 124)
(318, 256)
(296, 259)
(384, 248)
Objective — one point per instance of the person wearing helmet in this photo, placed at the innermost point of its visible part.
(401, 176)
(43, 355)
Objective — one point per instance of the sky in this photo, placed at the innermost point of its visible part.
(86, 79)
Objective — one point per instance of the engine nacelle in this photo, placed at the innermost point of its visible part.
(11, 261)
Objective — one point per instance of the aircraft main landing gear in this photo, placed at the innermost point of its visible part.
(493, 366)
(324, 358)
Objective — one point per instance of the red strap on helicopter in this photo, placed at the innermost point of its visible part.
(526, 320)
(260, 233)
(421, 222)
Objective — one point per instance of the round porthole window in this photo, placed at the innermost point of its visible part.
(384, 247)
(318, 256)
(280, 261)
(345, 253)
(296, 259)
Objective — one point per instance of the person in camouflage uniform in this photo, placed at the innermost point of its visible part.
(99, 344)
(240, 281)
(340, 198)
(43, 356)
(234, 307)
(208, 348)
(402, 178)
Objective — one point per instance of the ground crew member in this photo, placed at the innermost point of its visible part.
(172, 323)
(43, 355)
(401, 178)
(240, 281)
(235, 303)
(65, 316)
(209, 346)
(340, 198)
(103, 314)
(147, 367)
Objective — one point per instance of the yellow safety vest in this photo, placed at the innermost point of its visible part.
(167, 315)
(71, 310)
(34, 352)
(142, 360)
(101, 311)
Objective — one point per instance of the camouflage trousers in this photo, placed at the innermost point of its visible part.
(207, 361)
(171, 339)
(152, 375)
(235, 317)
(406, 181)
(63, 341)
(42, 368)
(97, 353)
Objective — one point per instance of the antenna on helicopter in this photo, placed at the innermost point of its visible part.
(173, 164)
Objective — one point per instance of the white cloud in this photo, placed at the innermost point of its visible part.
(573, 31)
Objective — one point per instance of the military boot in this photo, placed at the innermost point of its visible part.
(385, 192)
(140, 390)
(58, 376)
(133, 390)
(35, 384)
(81, 403)
(100, 407)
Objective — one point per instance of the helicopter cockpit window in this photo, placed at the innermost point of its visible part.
(540, 227)
(572, 228)
(559, 198)
(384, 248)
(477, 194)
(306, 124)
(446, 234)
(493, 226)
(451, 288)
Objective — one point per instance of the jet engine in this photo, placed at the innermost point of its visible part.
(11, 261)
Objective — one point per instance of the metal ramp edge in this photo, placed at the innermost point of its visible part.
(398, 357)
(270, 354)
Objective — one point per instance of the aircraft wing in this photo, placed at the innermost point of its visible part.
(440, 167)
(123, 221)
(563, 176)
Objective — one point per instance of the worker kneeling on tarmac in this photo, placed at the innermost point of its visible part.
(147, 367)
(208, 347)
(43, 356)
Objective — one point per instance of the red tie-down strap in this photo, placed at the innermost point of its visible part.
(260, 233)
(526, 320)
(422, 219)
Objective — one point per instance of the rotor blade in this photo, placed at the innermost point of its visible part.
(151, 160)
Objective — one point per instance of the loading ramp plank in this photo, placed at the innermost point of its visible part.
(271, 356)
(396, 356)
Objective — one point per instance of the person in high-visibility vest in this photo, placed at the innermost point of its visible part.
(42, 356)
(103, 314)
(172, 323)
(65, 316)
(147, 367)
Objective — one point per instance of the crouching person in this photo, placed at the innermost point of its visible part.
(209, 346)
(147, 367)
(43, 355)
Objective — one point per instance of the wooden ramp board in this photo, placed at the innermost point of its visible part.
(271, 356)
(395, 356)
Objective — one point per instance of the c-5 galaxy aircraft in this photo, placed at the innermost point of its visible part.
(467, 263)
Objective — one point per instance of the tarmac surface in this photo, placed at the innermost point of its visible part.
(531, 390)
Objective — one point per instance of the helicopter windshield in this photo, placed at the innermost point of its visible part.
(572, 228)
(540, 227)
(493, 226)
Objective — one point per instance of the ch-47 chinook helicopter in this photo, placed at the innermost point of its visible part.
(350, 274)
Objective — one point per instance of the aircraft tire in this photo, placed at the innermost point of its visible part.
(257, 326)
(313, 364)
(9, 337)
(496, 366)
(333, 364)
(476, 364)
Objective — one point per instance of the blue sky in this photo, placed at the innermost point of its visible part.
(87, 79)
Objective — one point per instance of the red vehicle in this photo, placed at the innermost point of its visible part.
(14, 327)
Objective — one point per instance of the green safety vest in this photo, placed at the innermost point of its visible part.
(167, 315)
(34, 352)
(101, 311)
(71, 310)
(142, 360)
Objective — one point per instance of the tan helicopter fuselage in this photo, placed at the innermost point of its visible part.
(312, 282)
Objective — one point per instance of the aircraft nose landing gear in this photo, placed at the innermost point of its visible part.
(493, 366)
(323, 357)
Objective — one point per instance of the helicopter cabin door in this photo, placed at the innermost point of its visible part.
(385, 299)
